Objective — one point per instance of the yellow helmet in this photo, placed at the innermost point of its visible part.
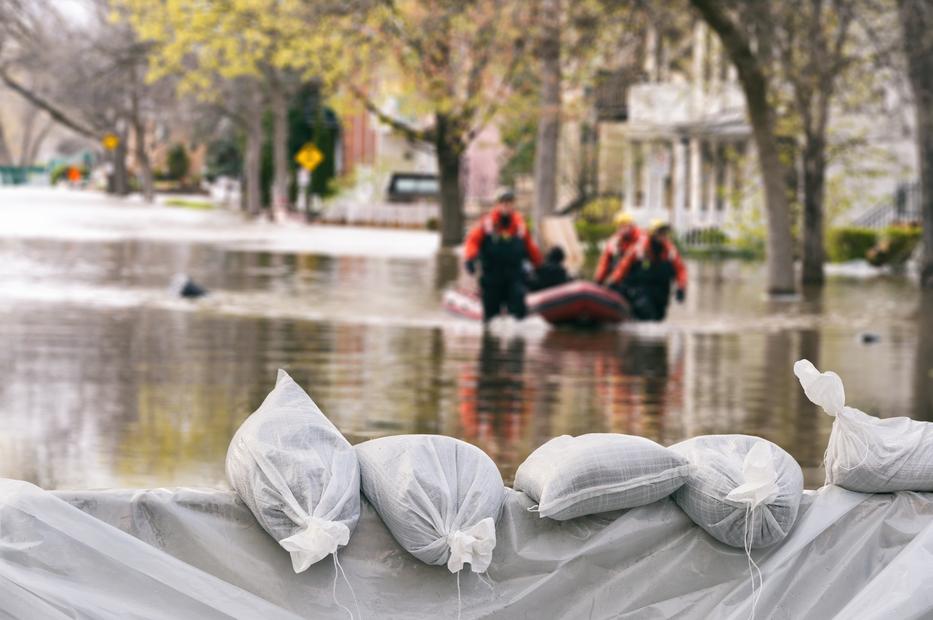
(657, 224)
(622, 218)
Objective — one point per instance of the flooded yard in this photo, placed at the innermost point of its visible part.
(110, 381)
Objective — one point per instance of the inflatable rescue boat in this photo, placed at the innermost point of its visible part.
(579, 303)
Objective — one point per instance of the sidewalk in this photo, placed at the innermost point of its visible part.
(90, 216)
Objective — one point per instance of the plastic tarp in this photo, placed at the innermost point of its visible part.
(198, 553)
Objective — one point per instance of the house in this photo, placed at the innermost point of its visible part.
(680, 143)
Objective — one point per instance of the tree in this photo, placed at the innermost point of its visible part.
(547, 143)
(574, 42)
(458, 61)
(752, 66)
(811, 46)
(5, 158)
(88, 75)
(25, 48)
(242, 57)
(916, 17)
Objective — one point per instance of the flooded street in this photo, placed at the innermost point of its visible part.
(109, 381)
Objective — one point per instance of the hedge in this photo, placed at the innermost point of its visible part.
(849, 243)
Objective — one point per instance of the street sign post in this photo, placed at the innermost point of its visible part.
(304, 179)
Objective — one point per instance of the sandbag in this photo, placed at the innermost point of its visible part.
(439, 497)
(574, 476)
(297, 474)
(744, 491)
(865, 453)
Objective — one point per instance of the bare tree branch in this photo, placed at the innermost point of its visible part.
(54, 111)
(421, 135)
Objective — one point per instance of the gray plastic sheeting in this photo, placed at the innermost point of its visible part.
(198, 553)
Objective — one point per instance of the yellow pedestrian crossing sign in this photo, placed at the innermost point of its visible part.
(309, 157)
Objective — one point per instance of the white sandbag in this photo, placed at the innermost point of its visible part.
(297, 474)
(440, 497)
(865, 453)
(743, 490)
(574, 476)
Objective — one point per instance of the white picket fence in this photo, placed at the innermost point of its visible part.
(380, 214)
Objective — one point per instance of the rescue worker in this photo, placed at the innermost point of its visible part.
(502, 246)
(625, 237)
(645, 273)
(551, 272)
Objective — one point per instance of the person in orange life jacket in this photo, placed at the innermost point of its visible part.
(626, 236)
(502, 246)
(645, 273)
(551, 272)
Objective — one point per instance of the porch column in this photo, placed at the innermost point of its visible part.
(695, 185)
(729, 185)
(647, 184)
(679, 182)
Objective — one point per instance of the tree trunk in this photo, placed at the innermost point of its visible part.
(142, 160)
(779, 247)
(139, 138)
(27, 128)
(280, 150)
(449, 149)
(547, 146)
(814, 176)
(917, 25)
(119, 182)
(5, 158)
(252, 162)
(33, 155)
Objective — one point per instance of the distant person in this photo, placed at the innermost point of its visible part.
(502, 246)
(645, 273)
(551, 272)
(183, 286)
(74, 175)
(627, 235)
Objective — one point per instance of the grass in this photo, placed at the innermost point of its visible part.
(200, 205)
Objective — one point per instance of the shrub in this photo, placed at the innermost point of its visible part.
(850, 243)
(601, 210)
(177, 162)
(594, 221)
(58, 173)
(591, 234)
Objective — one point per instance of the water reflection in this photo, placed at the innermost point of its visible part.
(923, 363)
(109, 383)
(495, 400)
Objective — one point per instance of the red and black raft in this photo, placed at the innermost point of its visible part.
(578, 303)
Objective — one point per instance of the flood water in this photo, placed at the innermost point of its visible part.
(108, 381)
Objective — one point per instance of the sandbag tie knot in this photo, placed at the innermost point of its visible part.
(317, 540)
(474, 545)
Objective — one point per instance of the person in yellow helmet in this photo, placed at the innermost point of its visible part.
(645, 274)
(627, 235)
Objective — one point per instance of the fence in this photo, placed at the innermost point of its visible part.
(21, 175)
(410, 215)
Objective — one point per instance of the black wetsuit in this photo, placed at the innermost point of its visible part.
(503, 280)
(648, 288)
(549, 274)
